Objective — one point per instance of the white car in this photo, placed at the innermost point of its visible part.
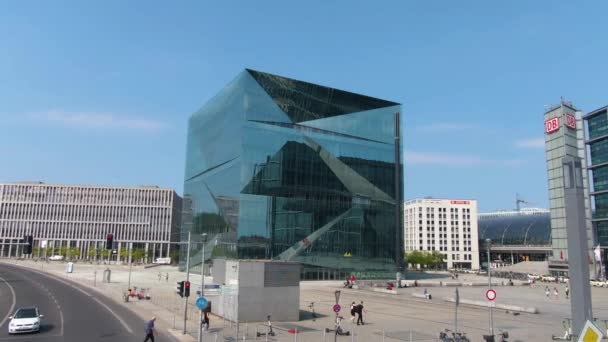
(25, 320)
(56, 258)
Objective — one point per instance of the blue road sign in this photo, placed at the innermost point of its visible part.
(202, 303)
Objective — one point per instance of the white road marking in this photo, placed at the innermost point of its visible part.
(54, 300)
(10, 311)
(124, 324)
(118, 318)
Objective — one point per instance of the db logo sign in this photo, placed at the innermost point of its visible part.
(570, 121)
(552, 125)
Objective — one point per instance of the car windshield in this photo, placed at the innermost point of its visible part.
(26, 313)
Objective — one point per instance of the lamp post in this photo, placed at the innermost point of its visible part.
(187, 280)
(200, 326)
(488, 244)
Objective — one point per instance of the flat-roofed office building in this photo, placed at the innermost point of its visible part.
(448, 226)
(79, 218)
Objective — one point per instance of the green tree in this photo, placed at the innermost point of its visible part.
(436, 259)
(63, 251)
(74, 252)
(416, 258)
(138, 254)
(124, 254)
(105, 253)
(92, 253)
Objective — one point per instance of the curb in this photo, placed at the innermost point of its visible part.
(530, 310)
(179, 336)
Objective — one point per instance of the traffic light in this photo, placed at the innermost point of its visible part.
(109, 241)
(180, 288)
(187, 289)
(29, 242)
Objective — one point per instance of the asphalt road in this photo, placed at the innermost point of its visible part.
(71, 312)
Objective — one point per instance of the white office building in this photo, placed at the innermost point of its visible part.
(445, 225)
(74, 216)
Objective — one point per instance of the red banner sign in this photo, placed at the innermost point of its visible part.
(552, 125)
(459, 202)
(570, 121)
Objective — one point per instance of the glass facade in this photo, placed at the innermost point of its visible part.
(516, 230)
(597, 133)
(283, 169)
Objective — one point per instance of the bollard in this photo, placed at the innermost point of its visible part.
(295, 336)
(216, 337)
(383, 333)
(411, 335)
(352, 336)
(324, 333)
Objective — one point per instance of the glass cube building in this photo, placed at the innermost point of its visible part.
(597, 140)
(282, 169)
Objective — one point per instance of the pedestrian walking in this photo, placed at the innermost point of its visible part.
(206, 320)
(159, 276)
(555, 293)
(167, 277)
(149, 329)
(547, 291)
(353, 312)
(567, 291)
(360, 312)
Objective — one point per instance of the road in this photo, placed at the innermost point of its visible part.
(71, 312)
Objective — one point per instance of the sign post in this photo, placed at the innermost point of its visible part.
(456, 311)
(337, 306)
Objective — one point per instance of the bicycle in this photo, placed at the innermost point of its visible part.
(456, 336)
(491, 338)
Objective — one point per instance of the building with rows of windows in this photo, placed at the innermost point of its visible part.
(78, 219)
(443, 225)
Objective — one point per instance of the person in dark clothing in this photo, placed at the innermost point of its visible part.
(150, 330)
(206, 320)
(353, 312)
(360, 312)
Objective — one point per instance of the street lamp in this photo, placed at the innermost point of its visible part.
(488, 245)
(200, 326)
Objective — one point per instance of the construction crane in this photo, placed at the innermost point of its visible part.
(519, 200)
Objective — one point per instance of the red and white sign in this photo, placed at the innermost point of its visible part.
(491, 294)
(459, 202)
(552, 125)
(570, 121)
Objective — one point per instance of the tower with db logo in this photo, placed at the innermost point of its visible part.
(564, 137)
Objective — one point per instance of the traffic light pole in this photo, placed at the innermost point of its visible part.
(187, 279)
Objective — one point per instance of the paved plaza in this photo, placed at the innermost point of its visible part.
(399, 317)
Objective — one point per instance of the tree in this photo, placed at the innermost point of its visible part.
(92, 253)
(138, 254)
(416, 258)
(63, 251)
(436, 258)
(124, 254)
(74, 252)
(105, 253)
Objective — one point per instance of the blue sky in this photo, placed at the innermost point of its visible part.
(100, 92)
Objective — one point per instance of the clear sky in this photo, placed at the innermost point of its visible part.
(100, 92)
